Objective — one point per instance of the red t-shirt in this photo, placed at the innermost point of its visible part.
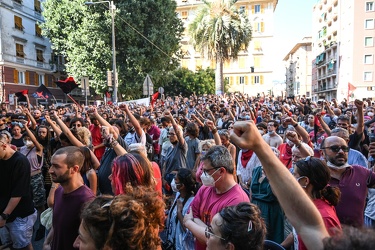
(285, 155)
(329, 216)
(157, 176)
(96, 136)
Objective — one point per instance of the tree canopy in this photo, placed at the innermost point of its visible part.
(82, 34)
(220, 31)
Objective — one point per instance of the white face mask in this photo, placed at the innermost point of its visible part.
(261, 131)
(271, 132)
(331, 165)
(370, 114)
(28, 143)
(208, 180)
(174, 186)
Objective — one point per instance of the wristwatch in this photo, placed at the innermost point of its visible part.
(4, 216)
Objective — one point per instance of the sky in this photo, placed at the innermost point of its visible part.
(293, 21)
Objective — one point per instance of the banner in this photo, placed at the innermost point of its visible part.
(143, 101)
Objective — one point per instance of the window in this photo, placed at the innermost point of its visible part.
(198, 64)
(39, 55)
(257, 8)
(37, 6)
(38, 31)
(21, 77)
(257, 45)
(19, 50)
(259, 26)
(369, 6)
(184, 14)
(40, 79)
(367, 76)
(18, 23)
(369, 23)
(242, 80)
(369, 59)
(256, 79)
(369, 41)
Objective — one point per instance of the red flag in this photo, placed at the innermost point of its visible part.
(21, 95)
(316, 127)
(67, 85)
(107, 94)
(154, 97)
(351, 87)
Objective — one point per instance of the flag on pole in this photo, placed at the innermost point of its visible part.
(42, 92)
(351, 88)
(154, 97)
(67, 85)
(22, 95)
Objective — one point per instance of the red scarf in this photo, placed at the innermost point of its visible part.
(245, 157)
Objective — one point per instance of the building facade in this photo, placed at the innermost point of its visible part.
(252, 71)
(343, 47)
(26, 58)
(298, 69)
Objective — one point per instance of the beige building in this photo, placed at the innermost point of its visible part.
(252, 71)
(298, 69)
(343, 48)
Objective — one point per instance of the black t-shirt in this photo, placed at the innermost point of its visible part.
(17, 142)
(15, 182)
(105, 168)
(355, 140)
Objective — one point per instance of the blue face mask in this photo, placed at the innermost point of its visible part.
(203, 153)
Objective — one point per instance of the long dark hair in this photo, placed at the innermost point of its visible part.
(319, 175)
(87, 164)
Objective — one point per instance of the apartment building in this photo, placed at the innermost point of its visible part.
(343, 48)
(252, 71)
(26, 59)
(298, 69)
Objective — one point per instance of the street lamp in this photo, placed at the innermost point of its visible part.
(112, 8)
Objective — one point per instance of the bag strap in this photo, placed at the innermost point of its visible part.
(29, 151)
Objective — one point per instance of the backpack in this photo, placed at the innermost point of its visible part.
(149, 147)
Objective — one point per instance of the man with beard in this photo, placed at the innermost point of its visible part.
(353, 181)
(70, 196)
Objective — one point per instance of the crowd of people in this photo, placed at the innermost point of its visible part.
(200, 172)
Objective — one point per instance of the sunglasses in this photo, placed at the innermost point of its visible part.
(336, 149)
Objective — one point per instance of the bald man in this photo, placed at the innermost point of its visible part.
(352, 180)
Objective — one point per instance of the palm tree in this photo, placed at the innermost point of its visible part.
(220, 31)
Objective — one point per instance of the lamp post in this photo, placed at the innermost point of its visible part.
(112, 9)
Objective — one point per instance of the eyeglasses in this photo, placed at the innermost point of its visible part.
(171, 134)
(205, 171)
(336, 149)
(77, 125)
(208, 233)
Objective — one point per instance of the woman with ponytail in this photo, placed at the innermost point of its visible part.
(313, 175)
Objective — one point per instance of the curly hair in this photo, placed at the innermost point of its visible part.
(126, 169)
(209, 143)
(84, 136)
(351, 238)
(319, 175)
(243, 226)
(128, 221)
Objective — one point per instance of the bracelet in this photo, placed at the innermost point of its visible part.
(299, 144)
(114, 144)
(54, 186)
(295, 125)
(214, 130)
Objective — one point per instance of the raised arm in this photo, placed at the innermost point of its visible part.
(52, 124)
(323, 123)
(30, 117)
(213, 129)
(176, 128)
(300, 130)
(39, 148)
(133, 120)
(360, 121)
(67, 131)
(298, 207)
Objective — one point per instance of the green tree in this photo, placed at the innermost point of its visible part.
(186, 82)
(220, 31)
(83, 35)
